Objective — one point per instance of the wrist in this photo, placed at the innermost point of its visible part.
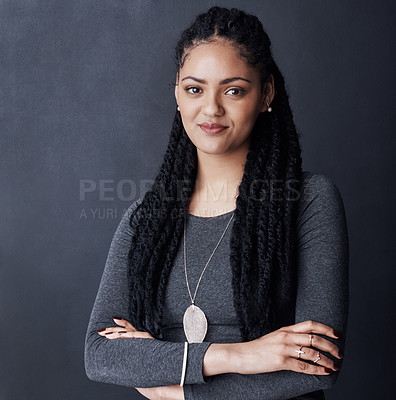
(222, 358)
(172, 392)
(236, 357)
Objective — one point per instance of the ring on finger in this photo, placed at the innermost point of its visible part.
(310, 340)
(317, 357)
(299, 351)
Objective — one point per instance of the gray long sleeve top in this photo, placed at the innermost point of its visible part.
(322, 295)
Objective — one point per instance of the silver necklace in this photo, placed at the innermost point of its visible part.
(194, 321)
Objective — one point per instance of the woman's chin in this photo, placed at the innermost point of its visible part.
(212, 150)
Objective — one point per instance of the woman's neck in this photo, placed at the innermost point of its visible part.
(218, 178)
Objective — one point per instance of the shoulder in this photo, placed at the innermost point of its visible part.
(317, 182)
(318, 193)
(129, 219)
(132, 208)
(317, 185)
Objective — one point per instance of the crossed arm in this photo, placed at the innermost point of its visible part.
(322, 296)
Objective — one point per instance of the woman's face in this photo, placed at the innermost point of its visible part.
(216, 86)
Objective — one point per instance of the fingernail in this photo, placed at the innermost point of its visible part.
(338, 334)
(329, 370)
(117, 318)
(122, 332)
(108, 333)
(341, 354)
(336, 368)
(101, 330)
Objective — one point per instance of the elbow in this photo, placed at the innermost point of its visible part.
(95, 375)
(96, 372)
(328, 381)
(92, 367)
(331, 379)
(101, 368)
(91, 375)
(91, 370)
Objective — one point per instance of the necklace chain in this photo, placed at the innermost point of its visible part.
(207, 263)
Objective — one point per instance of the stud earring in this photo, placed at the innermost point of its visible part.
(269, 109)
(178, 108)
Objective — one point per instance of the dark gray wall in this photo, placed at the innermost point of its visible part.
(85, 100)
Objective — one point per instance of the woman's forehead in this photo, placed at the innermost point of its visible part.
(217, 58)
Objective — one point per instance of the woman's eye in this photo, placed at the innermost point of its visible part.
(236, 91)
(233, 91)
(193, 90)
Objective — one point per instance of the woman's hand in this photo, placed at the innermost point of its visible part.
(127, 330)
(279, 350)
(174, 392)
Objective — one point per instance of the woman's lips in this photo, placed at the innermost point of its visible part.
(212, 128)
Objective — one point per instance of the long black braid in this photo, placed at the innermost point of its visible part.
(263, 247)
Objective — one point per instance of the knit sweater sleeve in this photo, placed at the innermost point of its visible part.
(322, 295)
(136, 362)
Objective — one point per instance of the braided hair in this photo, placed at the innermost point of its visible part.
(263, 245)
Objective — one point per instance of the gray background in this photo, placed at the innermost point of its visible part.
(85, 100)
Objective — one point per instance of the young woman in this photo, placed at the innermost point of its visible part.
(229, 278)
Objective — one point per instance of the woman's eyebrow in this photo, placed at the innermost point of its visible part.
(223, 82)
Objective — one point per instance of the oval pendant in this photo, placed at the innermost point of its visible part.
(195, 324)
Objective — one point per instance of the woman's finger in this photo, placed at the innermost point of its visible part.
(310, 354)
(115, 333)
(309, 340)
(108, 331)
(293, 364)
(119, 335)
(123, 322)
(313, 327)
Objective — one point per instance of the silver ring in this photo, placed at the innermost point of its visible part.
(299, 351)
(318, 357)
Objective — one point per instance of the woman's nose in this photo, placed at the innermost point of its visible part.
(212, 106)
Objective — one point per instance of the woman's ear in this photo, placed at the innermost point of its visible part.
(268, 94)
(177, 88)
